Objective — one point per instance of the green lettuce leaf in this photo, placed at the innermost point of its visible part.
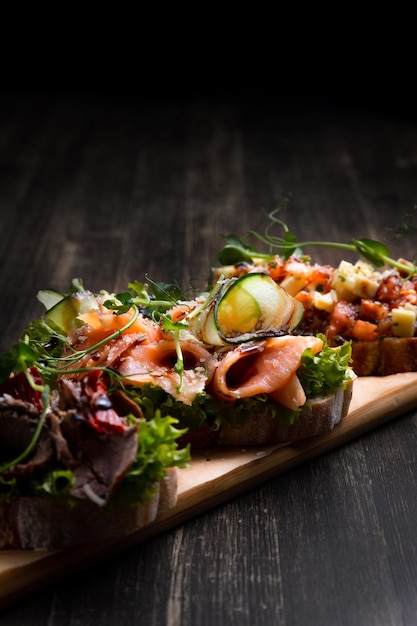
(157, 451)
(322, 373)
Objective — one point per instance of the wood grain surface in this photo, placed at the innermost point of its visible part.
(111, 187)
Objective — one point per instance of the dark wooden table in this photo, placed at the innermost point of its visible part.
(112, 186)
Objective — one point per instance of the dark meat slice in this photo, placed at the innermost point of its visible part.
(18, 422)
(100, 460)
(102, 443)
(85, 430)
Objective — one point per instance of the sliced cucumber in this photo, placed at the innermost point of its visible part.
(238, 311)
(297, 316)
(209, 331)
(64, 314)
(49, 297)
(254, 306)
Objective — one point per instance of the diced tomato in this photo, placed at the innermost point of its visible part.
(321, 279)
(364, 331)
(373, 311)
(306, 298)
(342, 319)
(276, 269)
(389, 288)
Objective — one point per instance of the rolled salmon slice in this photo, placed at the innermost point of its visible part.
(154, 363)
(291, 395)
(264, 367)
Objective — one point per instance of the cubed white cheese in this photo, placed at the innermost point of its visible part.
(404, 321)
(355, 281)
(293, 284)
(325, 301)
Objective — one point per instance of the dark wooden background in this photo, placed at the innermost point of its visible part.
(111, 183)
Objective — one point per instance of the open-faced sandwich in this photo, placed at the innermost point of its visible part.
(80, 464)
(372, 303)
(78, 460)
(107, 394)
(102, 397)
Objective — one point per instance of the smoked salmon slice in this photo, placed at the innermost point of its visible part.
(291, 395)
(103, 322)
(265, 367)
(142, 354)
(154, 363)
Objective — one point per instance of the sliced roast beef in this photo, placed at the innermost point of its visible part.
(99, 460)
(102, 443)
(85, 430)
(18, 421)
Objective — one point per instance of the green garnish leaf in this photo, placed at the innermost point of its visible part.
(373, 251)
(122, 303)
(169, 292)
(19, 358)
(56, 483)
(141, 291)
(157, 450)
(168, 323)
(322, 373)
(162, 296)
(236, 251)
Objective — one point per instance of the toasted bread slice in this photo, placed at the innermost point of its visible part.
(386, 356)
(317, 417)
(50, 523)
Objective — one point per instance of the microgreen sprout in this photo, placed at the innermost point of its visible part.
(286, 244)
(42, 344)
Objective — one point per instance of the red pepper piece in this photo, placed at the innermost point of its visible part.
(98, 409)
(18, 387)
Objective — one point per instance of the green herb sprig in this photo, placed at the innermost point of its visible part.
(286, 244)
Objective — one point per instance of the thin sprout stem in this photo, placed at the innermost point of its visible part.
(30, 379)
(31, 445)
(78, 354)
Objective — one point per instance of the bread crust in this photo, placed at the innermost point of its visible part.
(317, 417)
(50, 523)
(386, 356)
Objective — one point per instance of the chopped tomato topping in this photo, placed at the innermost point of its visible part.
(389, 289)
(321, 279)
(306, 298)
(364, 331)
(373, 311)
(276, 269)
(342, 319)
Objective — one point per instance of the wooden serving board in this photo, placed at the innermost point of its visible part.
(214, 477)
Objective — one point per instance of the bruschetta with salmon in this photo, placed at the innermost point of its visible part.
(106, 395)
(212, 363)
